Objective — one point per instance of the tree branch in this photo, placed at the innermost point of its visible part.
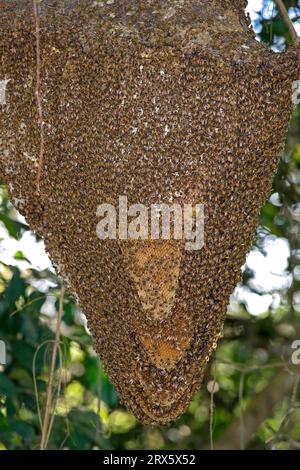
(260, 409)
(285, 16)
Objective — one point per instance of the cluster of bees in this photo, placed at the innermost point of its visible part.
(157, 101)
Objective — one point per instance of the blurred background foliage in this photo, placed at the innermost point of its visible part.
(250, 396)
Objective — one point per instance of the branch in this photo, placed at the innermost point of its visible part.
(48, 421)
(261, 408)
(285, 16)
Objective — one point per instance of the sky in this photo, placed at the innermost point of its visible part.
(270, 268)
(256, 5)
(253, 7)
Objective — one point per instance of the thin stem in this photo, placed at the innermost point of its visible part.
(212, 409)
(56, 345)
(45, 343)
(285, 16)
(98, 421)
(57, 397)
(242, 422)
(38, 94)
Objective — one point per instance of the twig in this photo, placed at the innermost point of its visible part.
(57, 397)
(35, 381)
(242, 423)
(212, 409)
(280, 434)
(294, 443)
(48, 422)
(38, 94)
(248, 369)
(258, 411)
(31, 302)
(99, 394)
(285, 16)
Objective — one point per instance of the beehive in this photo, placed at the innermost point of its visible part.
(159, 101)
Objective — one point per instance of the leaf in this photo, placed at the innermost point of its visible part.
(68, 316)
(16, 287)
(25, 430)
(22, 376)
(14, 228)
(24, 354)
(109, 395)
(7, 387)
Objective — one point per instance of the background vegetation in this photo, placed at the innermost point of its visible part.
(250, 396)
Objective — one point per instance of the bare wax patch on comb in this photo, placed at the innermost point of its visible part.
(165, 351)
(169, 339)
(154, 266)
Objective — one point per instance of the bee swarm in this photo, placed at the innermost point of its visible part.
(158, 101)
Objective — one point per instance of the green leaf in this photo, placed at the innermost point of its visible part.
(25, 430)
(24, 354)
(7, 387)
(16, 287)
(14, 228)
